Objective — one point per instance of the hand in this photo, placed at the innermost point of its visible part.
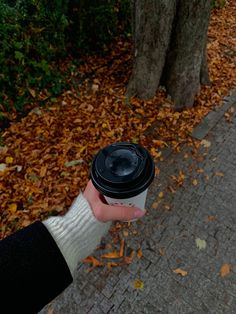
(104, 212)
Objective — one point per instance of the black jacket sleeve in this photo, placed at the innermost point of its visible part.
(33, 270)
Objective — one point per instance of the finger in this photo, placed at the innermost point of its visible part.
(111, 213)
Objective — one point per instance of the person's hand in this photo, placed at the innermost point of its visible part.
(104, 212)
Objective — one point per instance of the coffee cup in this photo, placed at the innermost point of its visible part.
(122, 173)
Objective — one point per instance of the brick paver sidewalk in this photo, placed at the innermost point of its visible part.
(202, 209)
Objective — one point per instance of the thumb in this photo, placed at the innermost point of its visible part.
(123, 213)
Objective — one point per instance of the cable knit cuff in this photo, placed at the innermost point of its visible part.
(77, 233)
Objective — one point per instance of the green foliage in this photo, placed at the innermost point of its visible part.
(36, 35)
(32, 39)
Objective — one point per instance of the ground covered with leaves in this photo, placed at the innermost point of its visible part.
(45, 158)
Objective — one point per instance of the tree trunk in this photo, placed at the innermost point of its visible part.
(170, 39)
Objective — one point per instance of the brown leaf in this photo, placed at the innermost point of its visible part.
(224, 270)
(180, 271)
(219, 174)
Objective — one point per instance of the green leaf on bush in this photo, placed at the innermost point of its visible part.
(18, 55)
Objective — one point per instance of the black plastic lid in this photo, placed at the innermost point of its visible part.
(122, 170)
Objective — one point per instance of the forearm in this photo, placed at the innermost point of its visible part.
(77, 233)
(38, 261)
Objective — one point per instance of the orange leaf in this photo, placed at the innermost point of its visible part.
(225, 270)
(139, 253)
(114, 254)
(122, 244)
(180, 272)
(111, 264)
(95, 262)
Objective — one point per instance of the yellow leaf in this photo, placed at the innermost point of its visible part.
(9, 160)
(225, 270)
(201, 244)
(180, 271)
(138, 284)
(195, 182)
(161, 194)
(12, 208)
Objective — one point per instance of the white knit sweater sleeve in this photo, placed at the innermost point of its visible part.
(77, 233)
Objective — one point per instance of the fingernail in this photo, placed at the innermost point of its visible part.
(139, 213)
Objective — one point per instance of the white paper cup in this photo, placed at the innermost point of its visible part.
(135, 201)
(122, 173)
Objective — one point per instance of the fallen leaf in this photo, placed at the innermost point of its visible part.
(195, 182)
(113, 254)
(167, 207)
(206, 143)
(32, 92)
(200, 170)
(9, 160)
(155, 205)
(73, 163)
(180, 271)
(12, 208)
(201, 244)
(95, 262)
(161, 194)
(224, 270)
(111, 264)
(219, 174)
(3, 167)
(211, 218)
(139, 253)
(162, 251)
(138, 284)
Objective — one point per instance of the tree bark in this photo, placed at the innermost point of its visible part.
(152, 29)
(170, 38)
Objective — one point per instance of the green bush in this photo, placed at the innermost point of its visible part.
(36, 35)
(32, 41)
